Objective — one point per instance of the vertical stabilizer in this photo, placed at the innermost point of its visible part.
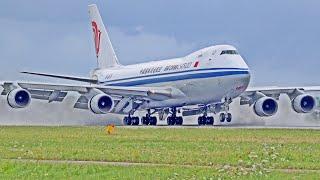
(105, 53)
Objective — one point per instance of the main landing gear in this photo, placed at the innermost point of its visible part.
(131, 121)
(149, 120)
(205, 119)
(209, 120)
(223, 117)
(173, 119)
(145, 120)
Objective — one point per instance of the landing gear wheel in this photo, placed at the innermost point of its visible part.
(145, 121)
(229, 117)
(148, 119)
(153, 121)
(179, 121)
(209, 120)
(171, 121)
(201, 120)
(222, 117)
(131, 121)
(127, 121)
(135, 121)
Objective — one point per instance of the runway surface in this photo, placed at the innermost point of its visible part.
(226, 127)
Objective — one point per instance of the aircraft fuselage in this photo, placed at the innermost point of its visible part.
(205, 76)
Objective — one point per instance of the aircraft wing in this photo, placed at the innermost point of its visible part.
(74, 78)
(126, 98)
(252, 94)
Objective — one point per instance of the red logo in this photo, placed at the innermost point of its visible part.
(196, 64)
(97, 36)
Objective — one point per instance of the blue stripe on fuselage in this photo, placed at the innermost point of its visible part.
(177, 77)
(169, 73)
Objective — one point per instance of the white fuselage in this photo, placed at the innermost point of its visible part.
(206, 76)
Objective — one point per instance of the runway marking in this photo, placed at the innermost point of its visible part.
(127, 164)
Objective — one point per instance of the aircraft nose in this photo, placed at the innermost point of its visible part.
(244, 64)
(239, 62)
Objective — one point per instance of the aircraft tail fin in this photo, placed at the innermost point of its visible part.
(106, 56)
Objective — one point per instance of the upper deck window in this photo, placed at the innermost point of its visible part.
(229, 52)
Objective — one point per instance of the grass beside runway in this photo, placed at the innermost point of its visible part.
(222, 152)
(32, 170)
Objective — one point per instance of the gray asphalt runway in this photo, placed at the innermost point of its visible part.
(226, 127)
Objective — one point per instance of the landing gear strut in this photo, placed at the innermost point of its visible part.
(226, 116)
(149, 120)
(173, 119)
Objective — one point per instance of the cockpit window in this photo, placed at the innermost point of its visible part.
(229, 52)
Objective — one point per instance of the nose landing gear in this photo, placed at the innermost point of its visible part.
(225, 117)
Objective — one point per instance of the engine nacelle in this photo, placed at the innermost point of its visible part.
(304, 103)
(19, 98)
(101, 104)
(265, 107)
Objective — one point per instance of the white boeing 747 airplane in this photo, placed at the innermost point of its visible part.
(200, 83)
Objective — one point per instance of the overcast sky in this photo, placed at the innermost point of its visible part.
(279, 39)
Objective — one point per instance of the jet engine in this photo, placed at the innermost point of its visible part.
(304, 103)
(265, 107)
(19, 98)
(101, 104)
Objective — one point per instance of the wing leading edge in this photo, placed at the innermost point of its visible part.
(74, 78)
(125, 98)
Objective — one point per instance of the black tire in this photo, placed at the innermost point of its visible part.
(204, 120)
(200, 121)
(135, 121)
(179, 121)
(222, 117)
(127, 121)
(153, 121)
(171, 121)
(229, 117)
(145, 121)
(209, 121)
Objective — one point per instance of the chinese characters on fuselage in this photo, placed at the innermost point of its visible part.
(175, 67)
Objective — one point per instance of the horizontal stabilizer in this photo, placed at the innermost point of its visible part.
(80, 79)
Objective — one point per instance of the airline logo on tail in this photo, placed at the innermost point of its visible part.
(97, 36)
